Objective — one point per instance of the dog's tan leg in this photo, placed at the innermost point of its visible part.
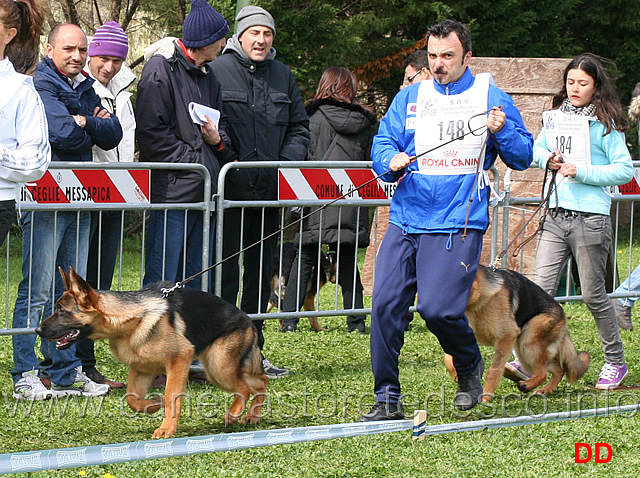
(258, 386)
(448, 363)
(533, 354)
(241, 394)
(502, 353)
(557, 372)
(177, 375)
(537, 379)
(222, 364)
(137, 387)
(309, 305)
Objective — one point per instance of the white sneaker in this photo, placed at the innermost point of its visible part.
(29, 387)
(82, 386)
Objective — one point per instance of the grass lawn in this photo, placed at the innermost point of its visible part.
(331, 382)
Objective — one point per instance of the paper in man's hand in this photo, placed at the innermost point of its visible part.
(198, 113)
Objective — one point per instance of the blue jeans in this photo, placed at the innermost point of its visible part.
(59, 239)
(179, 254)
(587, 239)
(104, 243)
(630, 284)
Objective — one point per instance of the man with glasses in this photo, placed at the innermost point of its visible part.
(416, 68)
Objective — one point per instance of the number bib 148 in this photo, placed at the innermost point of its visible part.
(441, 118)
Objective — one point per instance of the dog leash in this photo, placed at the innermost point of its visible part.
(544, 203)
(479, 171)
(178, 285)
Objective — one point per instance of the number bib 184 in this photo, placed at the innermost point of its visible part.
(569, 135)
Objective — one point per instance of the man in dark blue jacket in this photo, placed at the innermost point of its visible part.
(77, 121)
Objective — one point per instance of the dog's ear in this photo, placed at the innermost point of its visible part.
(65, 277)
(78, 287)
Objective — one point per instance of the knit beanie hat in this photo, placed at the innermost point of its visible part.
(250, 16)
(109, 40)
(203, 26)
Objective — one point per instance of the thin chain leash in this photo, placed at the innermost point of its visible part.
(544, 203)
(178, 285)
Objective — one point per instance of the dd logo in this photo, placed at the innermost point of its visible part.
(590, 452)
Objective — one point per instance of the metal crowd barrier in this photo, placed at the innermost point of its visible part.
(13, 262)
(220, 204)
(528, 204)
(224, 204)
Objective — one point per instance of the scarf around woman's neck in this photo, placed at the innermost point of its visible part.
(568, 108)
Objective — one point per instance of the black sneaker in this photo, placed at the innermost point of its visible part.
(384, 411)
(469, 391)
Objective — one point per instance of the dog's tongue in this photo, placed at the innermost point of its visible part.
(65, 340)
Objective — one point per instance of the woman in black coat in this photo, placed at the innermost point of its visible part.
(341, 130)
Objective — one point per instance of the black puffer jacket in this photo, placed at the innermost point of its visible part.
(356, 127)
(165, 131)
(266, 117)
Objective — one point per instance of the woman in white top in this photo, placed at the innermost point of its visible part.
(24, 137)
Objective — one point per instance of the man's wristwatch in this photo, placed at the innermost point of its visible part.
(78, 121)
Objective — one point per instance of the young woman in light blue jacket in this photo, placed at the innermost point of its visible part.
(582, 139)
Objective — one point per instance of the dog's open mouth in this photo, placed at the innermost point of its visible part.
(67, 339)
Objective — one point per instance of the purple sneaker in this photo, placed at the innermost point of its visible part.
(611, 376)
(514, 371)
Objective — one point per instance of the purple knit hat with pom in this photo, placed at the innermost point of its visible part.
(109, 40)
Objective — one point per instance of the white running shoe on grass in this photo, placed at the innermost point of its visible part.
(82, 386)
(29, 387)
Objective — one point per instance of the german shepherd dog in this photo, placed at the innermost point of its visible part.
(508, 311)
(281, 276)
(156, 335)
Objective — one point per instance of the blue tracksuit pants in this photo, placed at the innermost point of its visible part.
(441, 269)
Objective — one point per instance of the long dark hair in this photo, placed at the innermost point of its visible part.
(608, 106)
(337, 83)
(27, 18)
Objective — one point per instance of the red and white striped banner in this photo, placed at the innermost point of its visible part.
(89, 186)
(310, 184)
(632, 187)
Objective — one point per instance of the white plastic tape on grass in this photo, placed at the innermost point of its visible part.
(148, 450)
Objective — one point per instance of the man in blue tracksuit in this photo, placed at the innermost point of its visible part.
(433, 243)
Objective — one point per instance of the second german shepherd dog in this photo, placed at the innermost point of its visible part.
(156, 335)
(281, 269)
(508, 311)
